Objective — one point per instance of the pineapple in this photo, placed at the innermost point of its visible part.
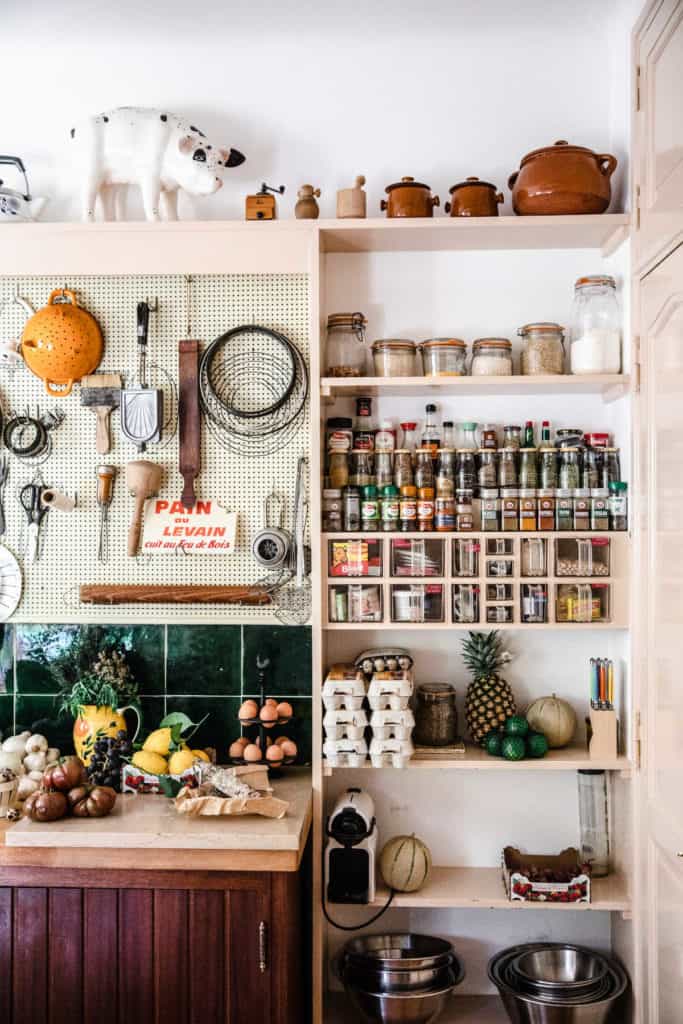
(489, 700)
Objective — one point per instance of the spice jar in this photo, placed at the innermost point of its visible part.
(528, 505)
(364, 428)
(469, 436)
(509, 500)
(444, 514)
(582, 509)
(369, 509)
(465, 470)
(338, 469)
(339, 434)
(390, 508)
(444, 357)
(408, 508)
(490, 510)
(564, 509)
(360, 471)
(425, 509)
(403, 468)
(591, 470)
(384, 469)
(596, 326)
(548, 459)
(332, 510)
(345, 346)
(528, 476)
(445, 473)
(351, 508)
(618, 505)
(512, 437)
(409, 441)
(599, 509)
(569, 476)
(543, 351)
(424, 468)
(436, 718)
(507, 468)
(487, 475)
(546, 508)
(491, 357)
(611, 467)
(385, 437)
(464, 516)
(489, 436)
(394, 357)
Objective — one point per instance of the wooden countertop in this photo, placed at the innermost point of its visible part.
(145, 832)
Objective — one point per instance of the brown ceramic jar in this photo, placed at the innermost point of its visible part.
(562, 179)
(409, 198)
(473, 198)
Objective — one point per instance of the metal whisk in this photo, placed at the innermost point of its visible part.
(105, 493)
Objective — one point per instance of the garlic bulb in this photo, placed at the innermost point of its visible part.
(27, 785)
(36, 743)
(35, 762)
(15, 744)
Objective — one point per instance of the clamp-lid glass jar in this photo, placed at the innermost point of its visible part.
(543, 351)
(345, 349)
(596, 326)
(394, 357)
(436, 718)
(444, 357)
(491, 357)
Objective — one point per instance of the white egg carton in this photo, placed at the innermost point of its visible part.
(390, 724)
(345, 724)
(344, 687)
(390, 753)
(345, 753)
(390, 690)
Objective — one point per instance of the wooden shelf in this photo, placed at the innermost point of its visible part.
(609, 385)
(569, 759)
(442, 234)
(466, 626)
(483, 888)
(460, 1010)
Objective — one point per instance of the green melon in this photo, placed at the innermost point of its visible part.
(493, 744)
(405, 863)
(536, 744)
(513, 748)
(516, 725)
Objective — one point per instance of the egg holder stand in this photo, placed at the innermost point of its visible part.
(263, 730)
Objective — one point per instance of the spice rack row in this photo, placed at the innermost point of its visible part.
(507, 580)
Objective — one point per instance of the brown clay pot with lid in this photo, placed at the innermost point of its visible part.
(562, 179)
(473, 198)
(409, 198)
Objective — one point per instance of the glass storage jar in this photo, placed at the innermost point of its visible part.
(549, 468)
(338, 469)
(361, 473)
(403, 468)
(491, 357)
(570, 471)
(345, 347)
(444, 357)
(384, 468)
(596, 326)
(466, 470)
(594, 824)
(469, 436)
(507, 468)
(528, 474)
(394, 357)
(543, 351)
(488, 468)
(512, 437)
(445, 473)
(436, 718)
(424, 468)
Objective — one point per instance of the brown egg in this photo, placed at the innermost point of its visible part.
(274, 754)
(268, 715)
(252, 753)
(284, 709)
(248, 710)
(271, 700)
(237, 748)
(288, 748)
(283, 739)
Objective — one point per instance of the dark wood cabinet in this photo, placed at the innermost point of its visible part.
(141, 947)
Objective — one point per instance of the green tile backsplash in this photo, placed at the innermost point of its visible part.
(196, 669)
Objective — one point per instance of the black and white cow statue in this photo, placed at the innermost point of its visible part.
(156, 150)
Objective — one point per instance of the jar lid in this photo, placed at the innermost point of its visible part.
(424, 451)
(528, 449)
(499, 343)
(347, 320)
(563, 492)
(471, 181)
(569, 431)
(509, 492)
(389, 491)
(595, 279)
(582, 492)
(393, 343)
(331, 493)
(488, 451)
(618, 486)
(408, 491)
(369, 491)
(443, 343)
(468, 425)
(340, 422)
(352, 491)
(549, 448)
(466, 451)
(512, 426)
(546, 492)
(569, 448)
(436, 691)
(450, 451)
(610, 449)
(407, 182)
(408, 426)
(386, 424)
(542, 327)
(402, 451)
(510, 451)
(359, 451)
(564, 148)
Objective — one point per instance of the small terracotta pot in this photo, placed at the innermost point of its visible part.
(473, 198)
(562, 179)
(409, 198)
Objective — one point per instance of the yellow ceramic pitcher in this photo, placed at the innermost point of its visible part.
(95, 721)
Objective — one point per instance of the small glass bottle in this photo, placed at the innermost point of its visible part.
(618, 505)
(384, 469)
(529, 439)
(487, 475)
(360, 471)
(611, 467)
(424, 469)
(512, 437)
(507, 468)
(594, 820)
(385, 438)
(548, 459)
(465, 470)
(528, 475)
(390, 508)
(403, 468)
(469, 436)
(545, 432)
(408, 508)
(431, 437)
(489, 436)
(445, 473)
(569, 476)
(369, 509)
(363, 425)
(591, 470)
(351, 508)
(448, 434)
(409, 440)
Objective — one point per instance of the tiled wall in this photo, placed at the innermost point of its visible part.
(195, 669)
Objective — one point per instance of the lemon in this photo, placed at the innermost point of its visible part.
(150, 762)
(180, 761)
(158, 742)
(201, 754)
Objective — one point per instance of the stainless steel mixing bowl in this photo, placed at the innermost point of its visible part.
(376, 979)
(560, 968)
(399, 951)
(419, 1007)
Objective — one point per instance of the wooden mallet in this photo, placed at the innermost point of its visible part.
(143, 479)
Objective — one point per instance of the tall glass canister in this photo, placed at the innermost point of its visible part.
(594, 820)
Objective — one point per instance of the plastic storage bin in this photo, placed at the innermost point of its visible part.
(582, 556)
(465, 602)
(412, 556)
(582, 602)
(355, 602)
(466, 556)
(417, 602)
(534, 556)
(354, 556)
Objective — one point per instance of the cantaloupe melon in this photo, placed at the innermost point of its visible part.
(405, 863)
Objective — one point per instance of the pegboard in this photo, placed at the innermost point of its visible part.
(69, 548)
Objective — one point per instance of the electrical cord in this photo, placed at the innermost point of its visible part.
(365, 924)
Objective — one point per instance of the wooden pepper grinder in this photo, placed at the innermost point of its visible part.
(307, 207)
(352, 202)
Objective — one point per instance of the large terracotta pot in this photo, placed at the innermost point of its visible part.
(409, 198)
(562, 179)
(94, 722)
(473, 198)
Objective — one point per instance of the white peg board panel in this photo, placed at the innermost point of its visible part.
(69, 557)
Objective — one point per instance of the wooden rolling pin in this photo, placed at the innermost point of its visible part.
(132, 593)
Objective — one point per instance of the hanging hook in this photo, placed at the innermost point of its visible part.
(188, 303)
(152, 306)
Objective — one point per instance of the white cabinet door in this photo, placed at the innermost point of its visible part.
(660, 517)
(658, 149)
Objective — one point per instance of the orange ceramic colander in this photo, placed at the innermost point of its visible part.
(62, 343)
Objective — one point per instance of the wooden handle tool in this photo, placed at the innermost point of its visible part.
(143, 479)
(124, 593)
(189, 420)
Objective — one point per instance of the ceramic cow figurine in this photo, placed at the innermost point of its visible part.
(151, 148)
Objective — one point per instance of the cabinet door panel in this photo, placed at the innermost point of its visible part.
(248, 915)
(100, 953)
(65, 955)
(659, 131)
(206, 937)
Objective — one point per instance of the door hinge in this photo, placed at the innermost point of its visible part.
(263, 947)
(637, 209)
(637, 88)
(637, 742)
(636, 364)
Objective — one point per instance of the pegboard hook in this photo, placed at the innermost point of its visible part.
(188, 303)
(153, 305)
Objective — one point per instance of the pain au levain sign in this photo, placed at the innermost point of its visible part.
(207, 529)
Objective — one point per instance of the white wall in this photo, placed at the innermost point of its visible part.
(319, 91)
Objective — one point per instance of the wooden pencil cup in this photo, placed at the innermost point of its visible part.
(603, 734)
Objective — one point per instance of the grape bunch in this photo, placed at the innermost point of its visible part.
(107, 759)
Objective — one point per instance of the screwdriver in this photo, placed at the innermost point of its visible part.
(105, 492)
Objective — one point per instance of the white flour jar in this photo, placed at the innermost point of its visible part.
(596, 327)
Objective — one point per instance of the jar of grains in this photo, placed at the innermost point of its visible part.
(345, 347)
(596, 326)
(436, 718)
(394, 357)
(543, 351)
(444, 357)
(491, 357)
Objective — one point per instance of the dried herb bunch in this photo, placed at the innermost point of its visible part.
(109, 682)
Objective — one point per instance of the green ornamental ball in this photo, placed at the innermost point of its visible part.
(516, 725)
(513, 748)
(493, 744)
(536, 744)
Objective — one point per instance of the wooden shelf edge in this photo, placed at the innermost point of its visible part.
(568, 760)
(610, 386)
